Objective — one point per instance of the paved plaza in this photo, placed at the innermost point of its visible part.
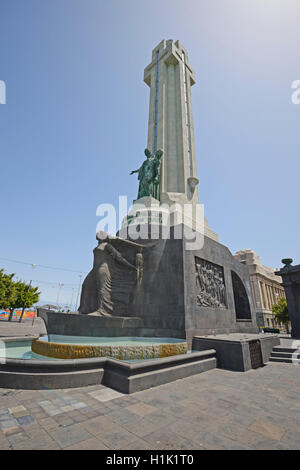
(26, 328)
(219, 409)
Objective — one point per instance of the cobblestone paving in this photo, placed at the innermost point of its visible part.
(259, 409)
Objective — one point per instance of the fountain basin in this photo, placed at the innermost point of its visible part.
(122, 348)
(20, 368)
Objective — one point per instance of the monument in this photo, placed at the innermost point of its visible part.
(164, 282)
(174, 287)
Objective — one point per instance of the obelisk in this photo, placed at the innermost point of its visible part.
(170, 125)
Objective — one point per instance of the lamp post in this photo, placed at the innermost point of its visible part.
(71, 304)
(60, 285)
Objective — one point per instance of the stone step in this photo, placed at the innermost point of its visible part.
(129, 378)
(285, 354)
(282, 349)
(287, 360)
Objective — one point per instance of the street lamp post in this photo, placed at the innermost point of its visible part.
(71, 304)
(60, 285)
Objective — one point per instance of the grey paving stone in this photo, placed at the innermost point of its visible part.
(268, 429)
(46, 444)
(291, 439)
(242, 420)
(161, 418)
(105, 394)
(8, 423)
(212, 441)
(266, 444)
(240, 434)
(100, 425)
(80, 418)
(109, 406)
(141, 409)
(64, 420)
(90, 413)
(11, 431)
(48, 423)
(233, 445)
(216, 410)
(25, 420)
(69, 435)
(139, 444)
(166, 439)
(289, 423)
(143, 426)
(89, 444)
(116, 439)
(39, 435)
(123, 416)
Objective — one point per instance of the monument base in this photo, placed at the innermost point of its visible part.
(178, 284)
(192, 285)
(88, 325)
(172, 210)
(240, 352)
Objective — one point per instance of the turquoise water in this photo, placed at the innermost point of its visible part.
(22, 349)
(109, 341)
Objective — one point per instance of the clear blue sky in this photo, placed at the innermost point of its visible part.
(75, 122)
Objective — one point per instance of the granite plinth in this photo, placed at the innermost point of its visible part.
(86, 325)
(167, 298)
(234, 351)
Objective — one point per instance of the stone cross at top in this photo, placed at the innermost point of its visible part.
(170, 126)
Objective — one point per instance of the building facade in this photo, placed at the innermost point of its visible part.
(266, 288)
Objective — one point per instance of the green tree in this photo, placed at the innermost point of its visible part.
(281, 312)
(16, 294)
(27, 296)
(8, 293)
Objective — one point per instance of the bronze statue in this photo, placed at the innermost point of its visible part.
(117, 269)
(149, 175)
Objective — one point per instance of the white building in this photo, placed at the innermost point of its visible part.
(265, 287)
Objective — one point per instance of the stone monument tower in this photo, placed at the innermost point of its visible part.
(170, 125)
(171, 128)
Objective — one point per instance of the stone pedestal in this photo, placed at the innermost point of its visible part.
(191, 288)
(146, 210)
(173, 209)
(240, 352)
(85, 325)
(291, 283)
(180, 284)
